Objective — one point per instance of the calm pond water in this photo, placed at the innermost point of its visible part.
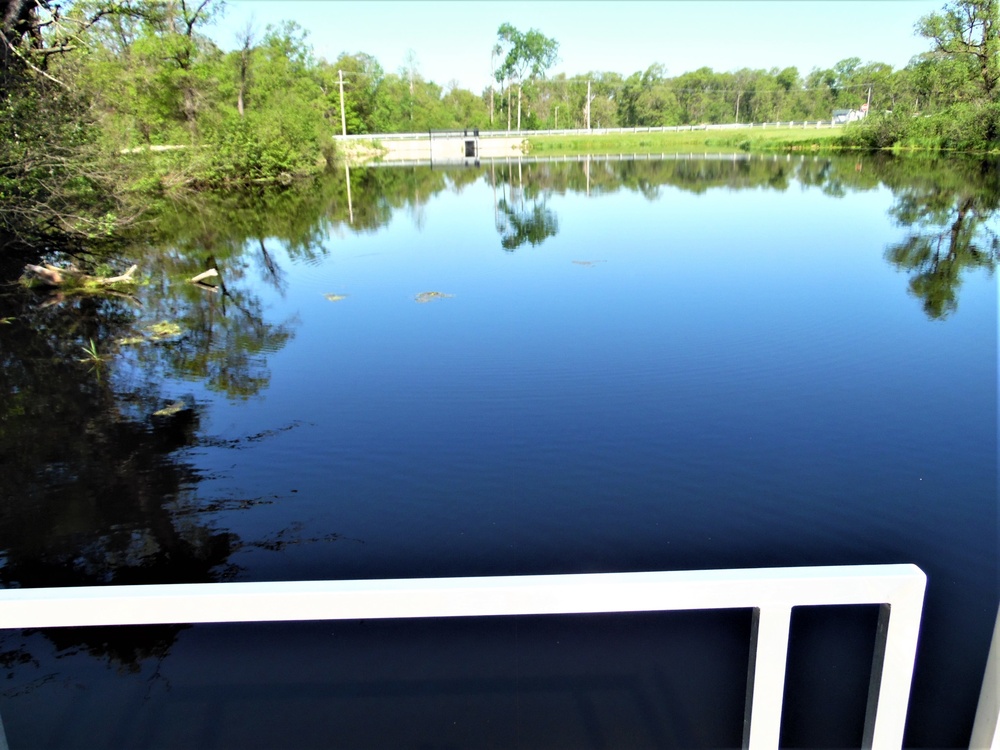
(516, 368)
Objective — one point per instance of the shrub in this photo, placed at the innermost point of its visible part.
(963, 127)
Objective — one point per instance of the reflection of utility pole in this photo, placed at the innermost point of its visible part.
(343, 118)
(519, 107)
(493, 172)
(520, 181)
(350, 205)
(510, 181)
(586, 168)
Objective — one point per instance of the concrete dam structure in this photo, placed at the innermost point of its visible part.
(451, 147)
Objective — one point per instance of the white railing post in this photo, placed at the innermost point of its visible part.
(766, 677)
(892, 671)
(986, 728)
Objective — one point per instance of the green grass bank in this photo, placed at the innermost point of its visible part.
(688, 141)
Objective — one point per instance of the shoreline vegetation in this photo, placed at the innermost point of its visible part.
(107, 106)
(928, 136)
(734, 140)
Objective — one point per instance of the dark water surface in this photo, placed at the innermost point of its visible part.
(631, 365)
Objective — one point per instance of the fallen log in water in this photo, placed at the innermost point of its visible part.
(204, 275)
(49, 275)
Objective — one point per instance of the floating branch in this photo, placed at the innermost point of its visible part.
(204, 275)
(47, 275)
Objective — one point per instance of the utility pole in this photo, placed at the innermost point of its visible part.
(519, 107)
(588, 104)
(869, 104)
(343, 118)
(557, 117)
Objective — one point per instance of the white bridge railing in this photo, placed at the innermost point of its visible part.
(483, 133)
(770, 593)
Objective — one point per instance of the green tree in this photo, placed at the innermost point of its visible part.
(466, 109)
(645, 99)
(699, 94)
(363, 92)
(56, 183)
(282, 129)
(968, 31)
(528, 55)
(935, 83)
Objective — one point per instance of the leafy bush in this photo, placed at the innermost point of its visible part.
(265, 146)
(961, 127)
(878, 131)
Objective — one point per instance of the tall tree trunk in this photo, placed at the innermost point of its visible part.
(246, 39)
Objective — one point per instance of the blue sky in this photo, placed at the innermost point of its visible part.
(451, 39)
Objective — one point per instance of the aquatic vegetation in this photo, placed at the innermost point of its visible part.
(428, 296)
(92, 355)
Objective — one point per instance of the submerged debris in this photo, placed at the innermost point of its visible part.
(588, 263)
(156, 332)
(428, 296)
(171, 409)
(163, 330)
(335, 297)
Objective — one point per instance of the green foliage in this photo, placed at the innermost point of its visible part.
(878, 131)
(528, 54)
(91, 353)
(131, 97)
(968, 33)
(688, 141)
(646, 99)
(283, 136)
(56, 183)
(970, 126)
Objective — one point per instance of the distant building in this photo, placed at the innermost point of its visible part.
(843, 116)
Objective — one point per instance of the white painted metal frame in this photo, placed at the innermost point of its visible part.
(770, 593)
(986, 728)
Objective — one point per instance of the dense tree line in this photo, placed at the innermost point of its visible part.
(100, 97)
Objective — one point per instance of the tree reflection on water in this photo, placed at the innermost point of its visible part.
(952, 230)
(516, 222)
(949, 206)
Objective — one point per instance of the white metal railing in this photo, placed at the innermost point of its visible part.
(770, 592)
(583, 131)
(986, 728)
